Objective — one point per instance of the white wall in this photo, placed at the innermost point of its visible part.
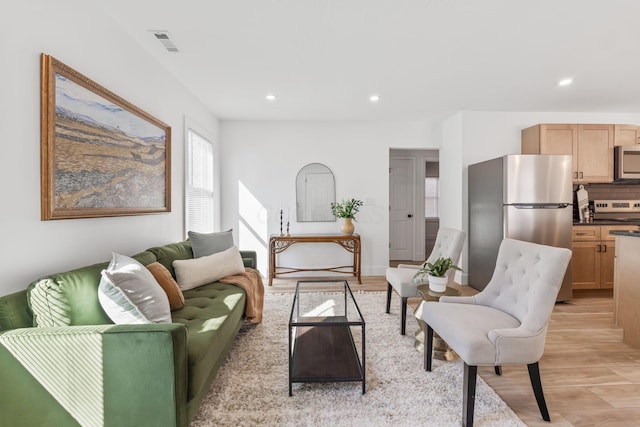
(471, 136)
(79, 34)
(262, 157)
(259, 168)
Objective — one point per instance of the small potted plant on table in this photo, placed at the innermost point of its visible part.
(346, 210)
(436, 273)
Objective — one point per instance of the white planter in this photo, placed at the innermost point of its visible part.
(438, 284)
(421, 280)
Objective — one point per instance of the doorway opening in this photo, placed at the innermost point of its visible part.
(431, 205)
(413, 204)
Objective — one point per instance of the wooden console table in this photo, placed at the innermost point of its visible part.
(278, 244)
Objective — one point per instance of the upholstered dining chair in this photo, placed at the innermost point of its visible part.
(448, 244)
(505, 323)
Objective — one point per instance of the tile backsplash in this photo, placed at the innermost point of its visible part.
(611, 191)
(606, 192)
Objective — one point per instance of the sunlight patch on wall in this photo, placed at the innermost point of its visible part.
(253, 231)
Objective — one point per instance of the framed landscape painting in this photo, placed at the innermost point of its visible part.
(100, 155)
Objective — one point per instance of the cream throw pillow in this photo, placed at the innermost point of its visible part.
(191, 273)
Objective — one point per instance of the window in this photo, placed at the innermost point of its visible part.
(431, 190)
(200, 213)
(431, 193)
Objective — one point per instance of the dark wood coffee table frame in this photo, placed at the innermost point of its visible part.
(322, 349)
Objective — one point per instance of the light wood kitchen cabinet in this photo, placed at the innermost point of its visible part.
(595, 153)
(550, 139)
(608, 254)
(585, 261)
(627, 290)
(626, 135)
(593, 260)
(591, 147)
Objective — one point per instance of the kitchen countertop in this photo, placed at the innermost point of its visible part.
(607, 222)
(629, 233)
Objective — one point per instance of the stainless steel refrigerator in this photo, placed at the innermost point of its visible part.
(526, 197)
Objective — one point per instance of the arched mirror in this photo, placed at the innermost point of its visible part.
(315, 191)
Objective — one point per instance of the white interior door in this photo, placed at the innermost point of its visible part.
(401, 209)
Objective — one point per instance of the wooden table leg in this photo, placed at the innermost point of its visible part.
(272, 261)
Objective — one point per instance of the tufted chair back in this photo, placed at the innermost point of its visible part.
(506, 323)
(526, 281)
(448, 244)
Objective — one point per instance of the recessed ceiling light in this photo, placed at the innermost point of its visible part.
(270, 97)
(374, 98)
(565, 82)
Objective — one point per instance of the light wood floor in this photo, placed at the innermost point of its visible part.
(590, 378)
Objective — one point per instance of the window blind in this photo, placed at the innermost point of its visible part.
(200, 183)
(431, 196)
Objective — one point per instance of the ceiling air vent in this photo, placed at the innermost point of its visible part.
(165, 39)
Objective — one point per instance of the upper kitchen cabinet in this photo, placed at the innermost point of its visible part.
(626, 135)
(590, 145)
(550, 139)
(595, 153)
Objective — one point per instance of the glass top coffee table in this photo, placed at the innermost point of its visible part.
(322, 345)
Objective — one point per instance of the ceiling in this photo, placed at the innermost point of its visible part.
(425, 58)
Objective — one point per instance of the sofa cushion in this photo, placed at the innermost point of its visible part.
(191, 273)
(212, 314)
(68, 299)
(168, 285)
(14, 311)
(166, 254)
(145, 258)
(71, 298)
(204, 244)
(129, 293)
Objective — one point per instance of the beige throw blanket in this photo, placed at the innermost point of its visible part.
(251, 282)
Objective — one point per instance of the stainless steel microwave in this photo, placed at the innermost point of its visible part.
(627, 162)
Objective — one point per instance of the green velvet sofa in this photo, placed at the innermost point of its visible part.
(95, 373)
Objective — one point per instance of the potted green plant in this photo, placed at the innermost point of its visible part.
(436, 273)
(347, 209)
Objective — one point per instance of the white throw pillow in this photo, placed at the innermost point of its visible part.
(191, 273)
(129, 293)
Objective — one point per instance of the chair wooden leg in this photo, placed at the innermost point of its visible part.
(403, 316)
(469, 399)
(534, 376)
(389, 291)
(428, 347)
(498, 370)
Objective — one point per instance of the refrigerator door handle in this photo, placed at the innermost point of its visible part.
(540, 205)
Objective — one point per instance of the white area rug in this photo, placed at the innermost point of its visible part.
(251, 388)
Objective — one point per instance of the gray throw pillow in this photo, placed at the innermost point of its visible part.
(204, 244)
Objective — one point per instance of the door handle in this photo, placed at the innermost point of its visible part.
(605, 248)
(410, 216)
(575, 175)
(581, 175)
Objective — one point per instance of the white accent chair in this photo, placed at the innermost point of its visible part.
(506, 323)
(448, 244)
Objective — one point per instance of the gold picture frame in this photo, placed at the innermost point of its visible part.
(100, 155)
